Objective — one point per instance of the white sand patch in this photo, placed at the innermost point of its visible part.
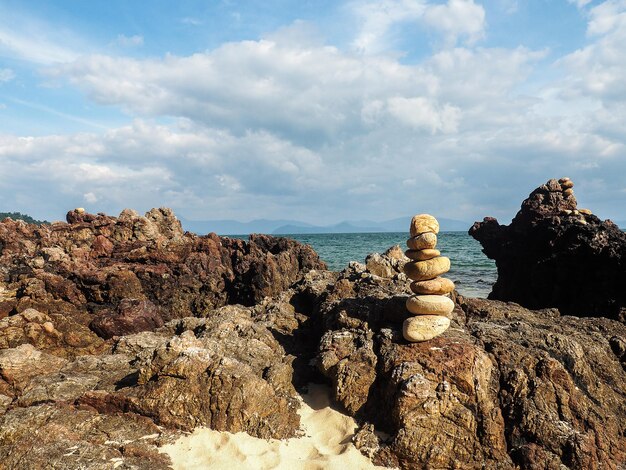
(325, 445)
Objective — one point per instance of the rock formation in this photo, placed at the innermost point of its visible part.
(429, 307)
(504, 388)
(556, 255)
(82, 386)
(97, 277)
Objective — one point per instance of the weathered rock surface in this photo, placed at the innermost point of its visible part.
(436, 286)
(552, 255)
(429, 305)
(503, 387)
(429, 269)
(422, 255)
(124, 322)
(424, 241)
(389, 264)
(424, 327)
(423, 223)
(98, 276)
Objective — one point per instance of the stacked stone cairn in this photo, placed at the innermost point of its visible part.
(431, 306)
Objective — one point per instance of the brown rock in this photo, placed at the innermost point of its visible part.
(568, 192)
(422, 255)
(437, 286)
(430, 269)
(567, 184)
(423, 223)
(423, 241)
(131, 316)
(429, 305)
(424, 327)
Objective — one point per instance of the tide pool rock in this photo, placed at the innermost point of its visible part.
(422, 223)
(429, 269)
(424, 327)
(437, 286)
(422, 255)
(429, 305)
(424, 241)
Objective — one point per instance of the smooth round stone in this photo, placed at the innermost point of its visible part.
(585, 211)
(430, 305)
(424, 241)
(429, 269)
(424, 327)
(422, 223)
(564, 179)
(422, 255)
(437, 286)
(567, 184)
(568, 192)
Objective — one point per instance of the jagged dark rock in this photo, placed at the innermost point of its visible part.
(553, 255)
(132, 273)
(115, 334)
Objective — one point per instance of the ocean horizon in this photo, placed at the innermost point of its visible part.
(473, 273)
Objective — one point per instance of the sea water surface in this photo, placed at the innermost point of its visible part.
(472, 272)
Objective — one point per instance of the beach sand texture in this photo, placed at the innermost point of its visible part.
(326, 444)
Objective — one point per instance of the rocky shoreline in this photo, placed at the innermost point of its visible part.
(117, 334)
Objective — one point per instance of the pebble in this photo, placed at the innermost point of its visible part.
(429, 269)
(429, 305)
(568, 192)
(422, 223)
(585, 211)
(48, 327)
(437, 286)
(564, 180)
(425, 241)
(424, 327)
(567, 184)
(422, 255)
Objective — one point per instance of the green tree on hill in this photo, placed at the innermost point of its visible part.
(19, 216)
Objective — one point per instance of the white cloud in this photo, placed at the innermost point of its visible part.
(580, 3)
(90, 197)
(129, 41)
(6, 75)
(377, 17)
(33, 41)
(599, 69)
(287, 127)
(456, 19)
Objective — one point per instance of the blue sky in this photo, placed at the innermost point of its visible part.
(318, 111)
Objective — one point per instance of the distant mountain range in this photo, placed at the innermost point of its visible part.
(284, 227)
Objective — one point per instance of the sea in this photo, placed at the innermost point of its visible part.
(473, 273)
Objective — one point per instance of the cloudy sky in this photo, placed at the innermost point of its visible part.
(318, 111)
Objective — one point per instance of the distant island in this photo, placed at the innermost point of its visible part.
(283, 227)
(19, 216)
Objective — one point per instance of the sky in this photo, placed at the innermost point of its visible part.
(317, 111)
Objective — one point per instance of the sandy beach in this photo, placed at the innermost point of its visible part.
(326, 443)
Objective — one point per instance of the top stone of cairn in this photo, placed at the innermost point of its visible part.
(423, 223)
